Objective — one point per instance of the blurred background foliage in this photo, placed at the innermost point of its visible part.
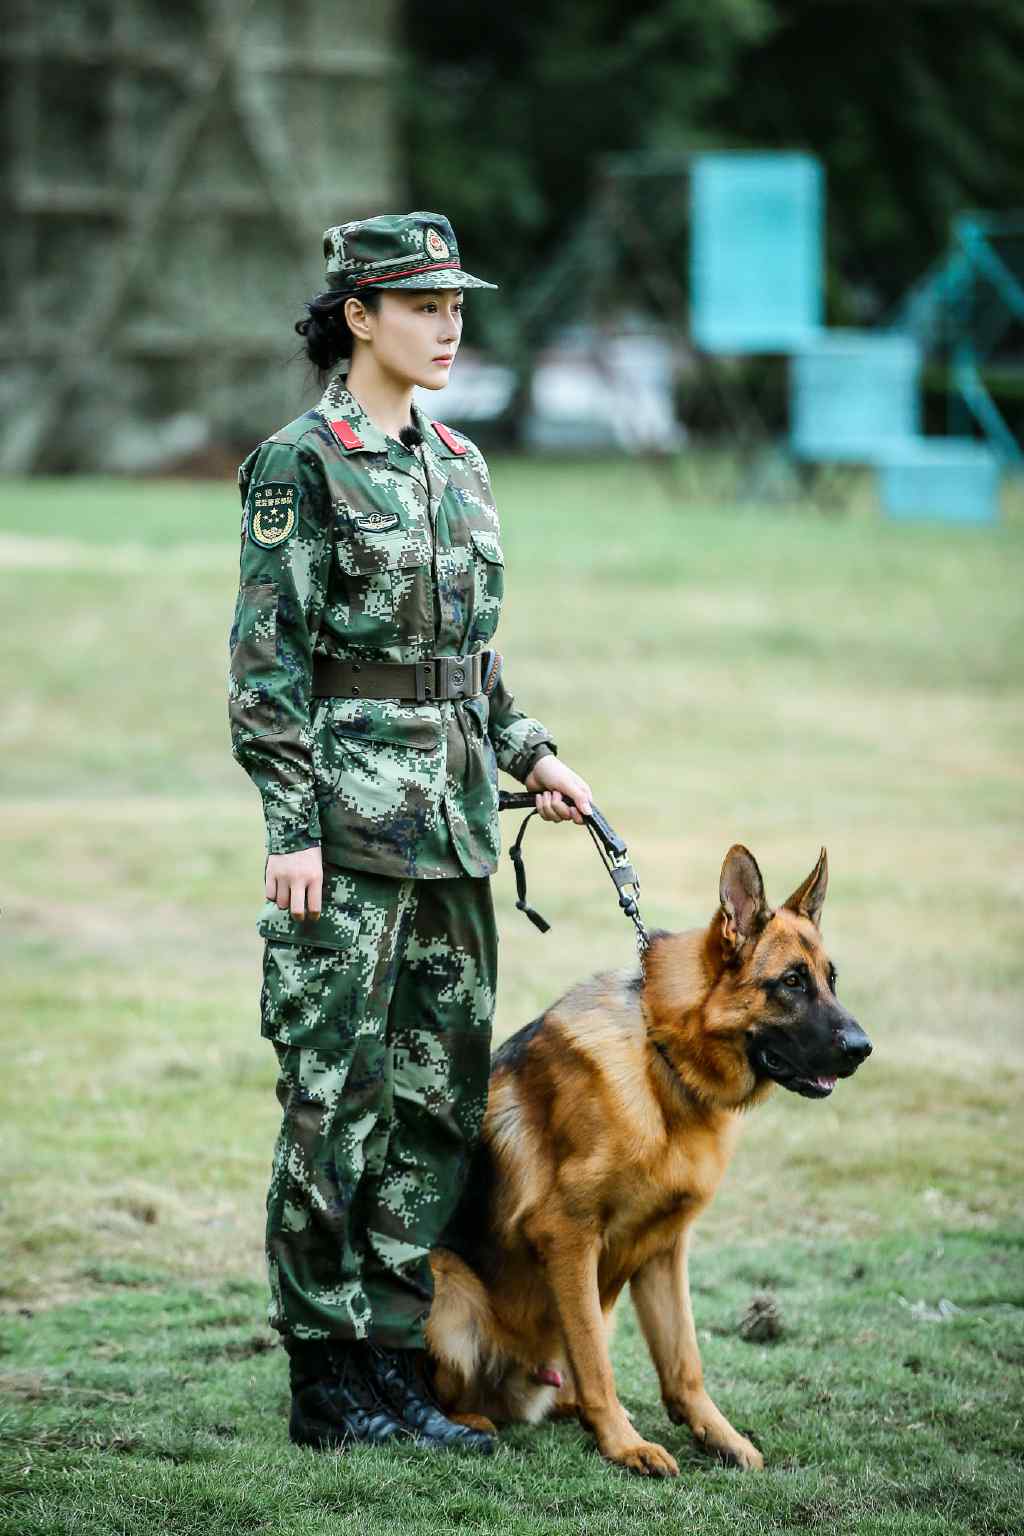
(914, 108)
(226, 134)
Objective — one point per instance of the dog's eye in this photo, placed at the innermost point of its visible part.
(792, 979)
(833, 977)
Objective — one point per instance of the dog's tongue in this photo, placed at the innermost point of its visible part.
(825, 1082)
(548, 1376)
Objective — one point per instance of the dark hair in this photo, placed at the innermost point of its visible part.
(325, 330)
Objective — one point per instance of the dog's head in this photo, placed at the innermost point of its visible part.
(776, 992)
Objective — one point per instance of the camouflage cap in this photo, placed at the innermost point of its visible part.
(395, 250)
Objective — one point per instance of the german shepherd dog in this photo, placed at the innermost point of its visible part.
(609, 1125)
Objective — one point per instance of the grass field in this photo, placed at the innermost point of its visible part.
(775, 675)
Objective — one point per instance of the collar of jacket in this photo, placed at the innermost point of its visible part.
(356, 433)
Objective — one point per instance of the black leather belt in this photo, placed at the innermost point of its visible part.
(420, 682)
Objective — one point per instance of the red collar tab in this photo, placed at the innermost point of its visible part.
(345, 435)
(448, 437)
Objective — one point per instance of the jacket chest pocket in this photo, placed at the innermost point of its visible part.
(386, 577)
(488, 582)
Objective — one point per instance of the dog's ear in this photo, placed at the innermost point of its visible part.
(809, 898)
(741, 891)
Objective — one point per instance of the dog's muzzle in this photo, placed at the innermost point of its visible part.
(812, 1078)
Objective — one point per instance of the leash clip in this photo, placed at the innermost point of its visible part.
(622, 875)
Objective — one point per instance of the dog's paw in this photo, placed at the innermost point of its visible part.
(714, 1434)
(642, 1456)
(739, 1453)
(731, 1448)
(474, 1421)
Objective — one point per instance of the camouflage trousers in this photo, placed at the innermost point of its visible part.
(380, 1015)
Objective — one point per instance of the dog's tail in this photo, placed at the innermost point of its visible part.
(459, 1329)
(478, 1367)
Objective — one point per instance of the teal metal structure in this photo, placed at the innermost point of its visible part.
(753, 222)
(854, 397)
(757, 221)
(948, 479)
(963, 310)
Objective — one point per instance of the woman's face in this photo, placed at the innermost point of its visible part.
(415, 334)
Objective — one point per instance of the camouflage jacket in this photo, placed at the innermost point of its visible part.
(358, 548)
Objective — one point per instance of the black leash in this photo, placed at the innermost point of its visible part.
(614, 857)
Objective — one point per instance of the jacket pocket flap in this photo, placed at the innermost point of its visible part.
(487, 544)
(382, 720)
(382, 551)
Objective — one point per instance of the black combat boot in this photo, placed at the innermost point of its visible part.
(334, 1405)
(397, 1377)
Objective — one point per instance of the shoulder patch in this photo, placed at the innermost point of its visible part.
(273, 512)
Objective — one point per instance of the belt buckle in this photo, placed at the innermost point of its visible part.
(447, 677)
(455, 680)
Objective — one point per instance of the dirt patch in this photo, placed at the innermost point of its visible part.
(30, 1386)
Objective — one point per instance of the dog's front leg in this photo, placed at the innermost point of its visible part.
(661, 1295)
(571, 1266)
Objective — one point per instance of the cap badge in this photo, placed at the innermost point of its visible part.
(436, 246)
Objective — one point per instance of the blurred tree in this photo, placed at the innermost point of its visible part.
(915, 109)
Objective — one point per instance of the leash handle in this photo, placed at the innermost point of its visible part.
(509, 800)
(611, 850)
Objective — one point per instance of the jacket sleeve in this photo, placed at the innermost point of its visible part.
(518, 740)
(284, 567)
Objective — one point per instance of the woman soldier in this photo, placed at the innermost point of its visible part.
(369, 710)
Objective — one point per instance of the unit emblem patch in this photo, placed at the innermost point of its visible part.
(273, 509)
(436, 245)
(377, 522)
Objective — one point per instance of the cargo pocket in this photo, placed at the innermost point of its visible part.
(302, 1000)
(381, 748)
(337, 928)
(382, 784)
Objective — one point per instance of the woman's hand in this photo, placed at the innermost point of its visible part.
(551, 779)
(296, 882)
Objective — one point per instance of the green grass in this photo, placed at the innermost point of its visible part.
(153, 1406)
(775, 675)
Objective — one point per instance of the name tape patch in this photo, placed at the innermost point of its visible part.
(273, 511)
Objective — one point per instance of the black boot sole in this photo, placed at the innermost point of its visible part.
(460, 1443)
